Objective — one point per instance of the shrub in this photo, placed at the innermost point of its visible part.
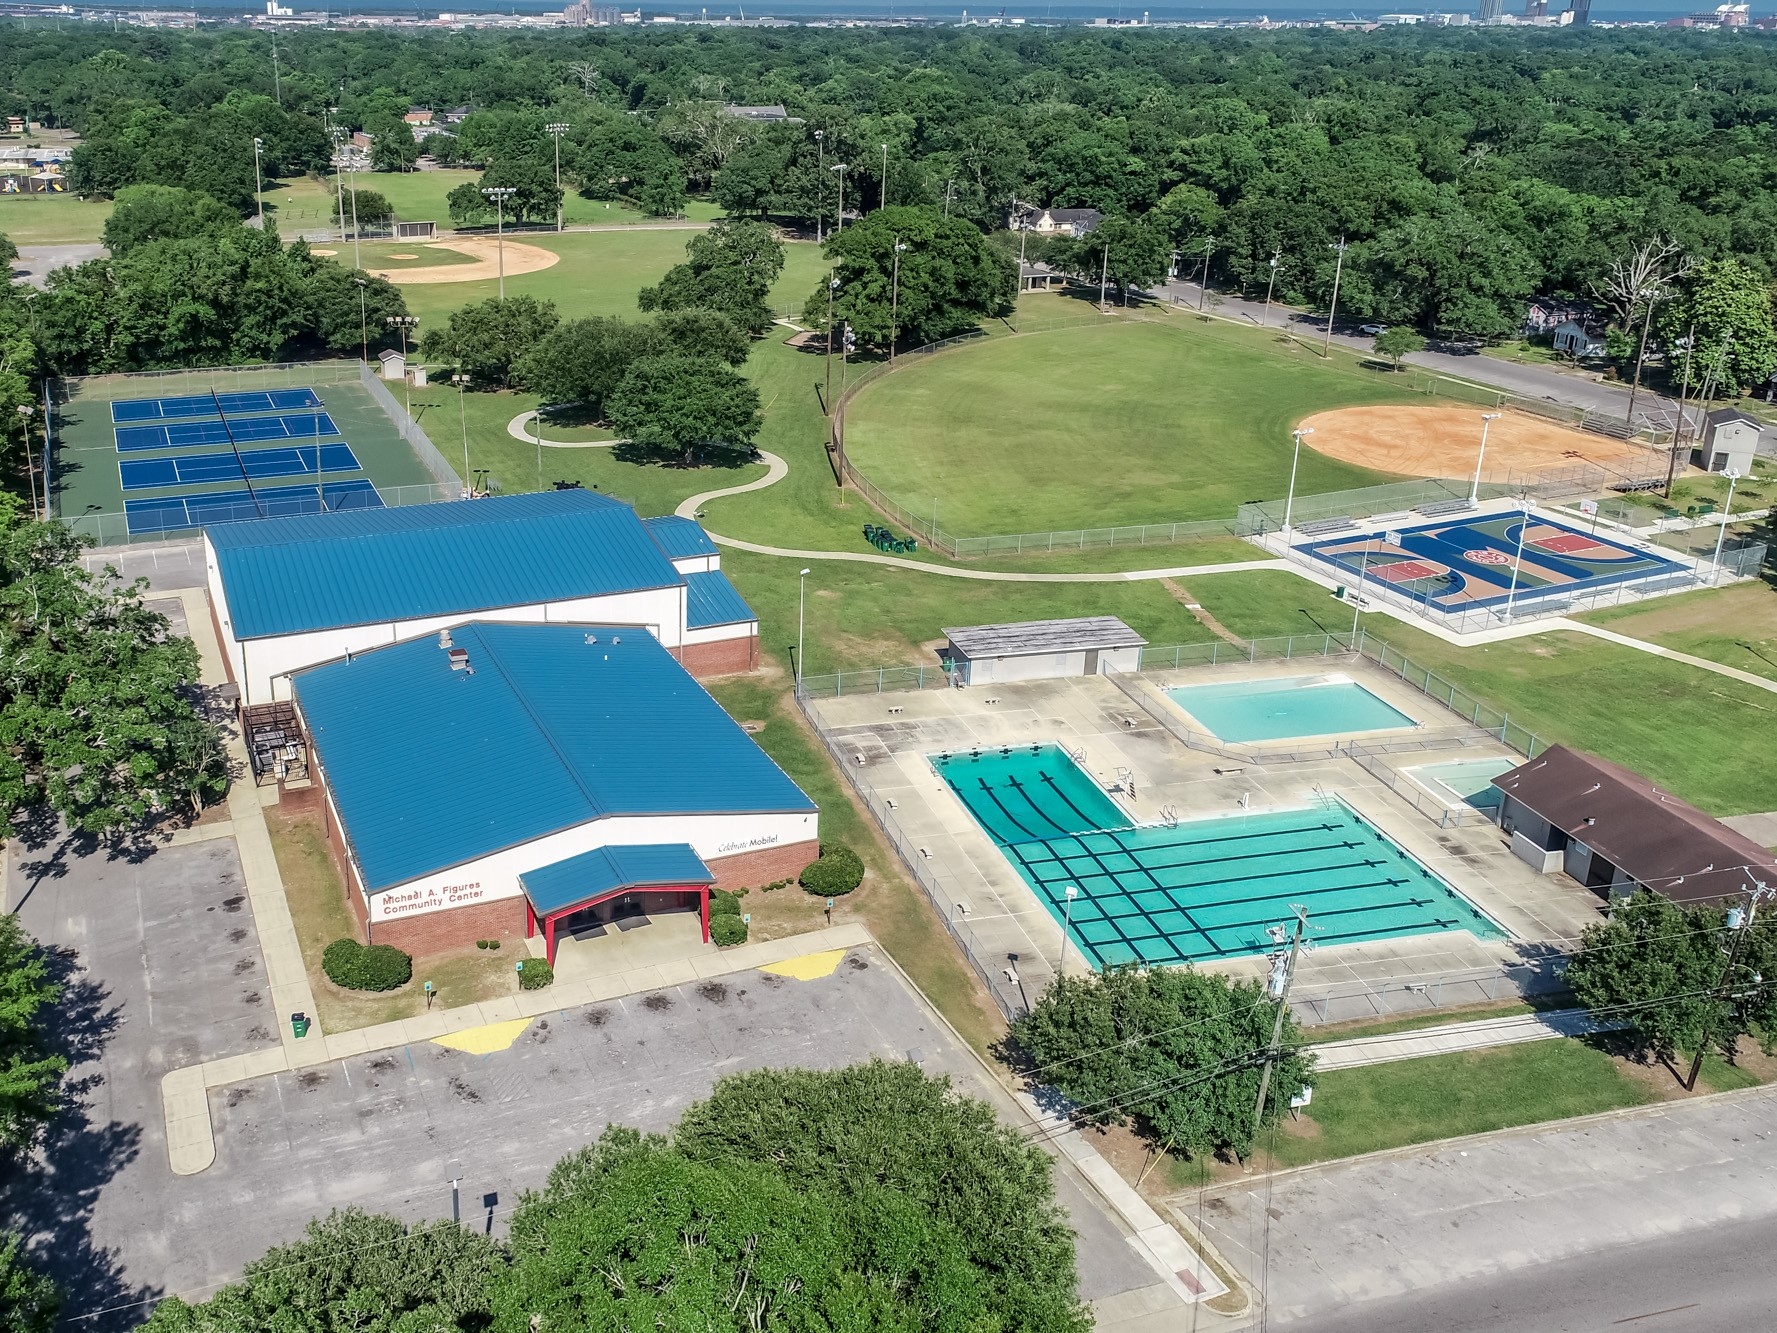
(535, 974)
(356, 966)
(723, 903)
(838, 871)
(481, 944)
(728, 929)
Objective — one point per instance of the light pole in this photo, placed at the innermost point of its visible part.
(258, 184)
(1474, 490)
(839, 213)
(1715, 565)
(1289, 500)
(336, 133)
(1104, 269)
(895, 298)
(363, 323)
(357, 248)
(461, 381)
(500, 194)
(1270, 283)
(1518, 561)
(1326, 346)
(820, 168)
(556, 130)
(1357, 598)
(25, 410)
(1067, 922)
(1203, 284)
(537, 433)
(801, 623)
(827, 400)
(882, 195)
(404, 323)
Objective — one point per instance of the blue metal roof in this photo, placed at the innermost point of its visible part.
(609, 869)
(458, 557)
(712, 600)
(550, 727)
(679, 537)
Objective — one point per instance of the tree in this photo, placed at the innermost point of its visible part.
(950, 277)
(534, 199)
(95, 689)
(29, 1301)
(1396, 342)
(30, 1071)
(1730, 306)
(370, 208)
(707, 333)
(891, 1127)
(619, 157)
(685, 406)
(486, 340)
(1176, 1051)
(9, 253)
(345, 318)
(354, 1272)
(1131, 253)
(584, 360)
(147, 213)
(729, 268)
(392, 146)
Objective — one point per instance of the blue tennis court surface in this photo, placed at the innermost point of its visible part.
(205, 404)
(139, 474)
(1203, 889)
(242, 430)
(174, 513)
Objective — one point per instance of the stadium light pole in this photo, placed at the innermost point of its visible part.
(258, 184)
(1326, 346)
(882, 195)
(500, 194)
(335, 132)
(556, 130)
(363, 323)
(801, 623)
(895, 298)
(357, 247)
(827, 400)
(1289, 500)
(1518, 561)
(404, 323)
(1067, 921)
(1474, 490)
(1271, 282)
(839, 212)
(820, 166)
(1715, 565)
(461, 381)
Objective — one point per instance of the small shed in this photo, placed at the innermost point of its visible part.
(416, 231)
(394, 365)
(1043, 649)
(1730, 439)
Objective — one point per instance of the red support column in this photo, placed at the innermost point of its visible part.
(549, 939)
(530, 920)
(703, 911)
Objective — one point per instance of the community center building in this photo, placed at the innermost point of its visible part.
(496, 779)
(289, 593)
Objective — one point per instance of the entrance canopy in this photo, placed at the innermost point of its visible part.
(565, 887)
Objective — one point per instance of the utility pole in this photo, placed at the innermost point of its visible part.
(839, 213)
(895, 298)
(258, 185)
(1203, 286)
(1690, 341)
(1283, 976)
(500, 194)
(827, 397)
(335, 133)
(882, 195)
(1740, 922)
(820, 169)
(1270, 283)
(461, 380)
(277, 81)
(1326, 346)
(1104, 269)
(363, 323)
(556, 130)
(357, 249)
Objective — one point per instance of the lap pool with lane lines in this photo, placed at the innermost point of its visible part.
(1202, 890)
(1298, 706)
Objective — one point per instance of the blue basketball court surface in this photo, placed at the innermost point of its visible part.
(207, 405)
(241, 430)
(175, 513)
(1463, 564)
(140, 474)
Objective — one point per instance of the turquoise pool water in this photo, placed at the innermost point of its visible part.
(1469, 781)
(1202, 890)
(1272, 710)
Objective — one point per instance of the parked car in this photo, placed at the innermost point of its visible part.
(1373, 329)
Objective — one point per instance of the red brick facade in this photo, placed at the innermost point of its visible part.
(723, 658)
(768, 865)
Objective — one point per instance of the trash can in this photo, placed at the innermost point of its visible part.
(299, 1024)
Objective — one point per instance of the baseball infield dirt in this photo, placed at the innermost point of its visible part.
(1443, 441)
(520, 258)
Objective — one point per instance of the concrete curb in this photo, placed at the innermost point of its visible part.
(191, 1144)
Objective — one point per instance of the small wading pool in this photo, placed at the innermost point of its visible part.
(1272, 710)
(1202, 890)
(1464, 781)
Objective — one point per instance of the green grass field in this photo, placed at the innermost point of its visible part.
(306, 203)
(1096, 426)
(52, 219)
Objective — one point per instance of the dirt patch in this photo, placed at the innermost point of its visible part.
(403, 256)
(520, 258)
(326, 254)
(1443, 442)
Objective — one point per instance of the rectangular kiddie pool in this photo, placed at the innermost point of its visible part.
(1272, 710)
(1199, 890)
(1465, 781)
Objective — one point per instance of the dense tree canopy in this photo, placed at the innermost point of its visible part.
(685, 406)
(487, 340)
(729, 268)
(30, 1071)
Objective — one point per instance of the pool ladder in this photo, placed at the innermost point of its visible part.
(1169, 816)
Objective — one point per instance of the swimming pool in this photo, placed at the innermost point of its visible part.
(1271, 710)
(1469, 781)
(1201, 890)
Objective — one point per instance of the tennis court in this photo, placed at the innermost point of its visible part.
(232, 430)
(175, 513)
(140, 474)
(211, 404)
(1462, 564)
(1199, 890)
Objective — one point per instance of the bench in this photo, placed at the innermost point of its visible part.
(1321, 526)
(1440, 508)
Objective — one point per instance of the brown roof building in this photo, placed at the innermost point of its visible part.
(1612, 829)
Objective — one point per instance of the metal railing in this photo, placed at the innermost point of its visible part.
(1422, 801)
(873, 680)
(442, 472)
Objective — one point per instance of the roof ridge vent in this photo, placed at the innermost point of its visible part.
(444, 638)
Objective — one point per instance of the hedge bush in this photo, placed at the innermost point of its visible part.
(356, 966)
(838, 871)
(723, 903)
(728, 929)
(535, 974)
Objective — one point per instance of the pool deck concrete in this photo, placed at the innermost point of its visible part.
(886, 738)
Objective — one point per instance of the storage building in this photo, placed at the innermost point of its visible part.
(1043, 649)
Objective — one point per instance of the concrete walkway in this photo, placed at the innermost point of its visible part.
(519, 428)
(1448, 1038)
(185, 1099)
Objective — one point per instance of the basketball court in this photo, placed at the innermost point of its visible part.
(1463, 564)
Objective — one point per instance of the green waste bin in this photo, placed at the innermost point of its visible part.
(299, 1024)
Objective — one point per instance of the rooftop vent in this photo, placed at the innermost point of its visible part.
(444, 638)
(592, 638)
(459, 659)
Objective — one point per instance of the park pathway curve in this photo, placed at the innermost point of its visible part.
(518, 429)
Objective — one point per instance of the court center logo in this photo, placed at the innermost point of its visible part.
(1487, 557)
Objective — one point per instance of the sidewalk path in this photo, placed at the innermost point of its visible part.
(519, 429)
(1448, 1038)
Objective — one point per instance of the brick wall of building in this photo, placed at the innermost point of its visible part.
(434, 932)
(768, 865)
(724, 658)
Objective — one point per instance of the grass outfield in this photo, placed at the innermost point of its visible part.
(52, 219)
(1096, 426)
(306, 203)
